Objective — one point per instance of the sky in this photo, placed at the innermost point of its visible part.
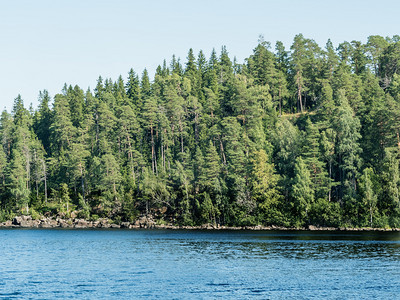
(46, 43)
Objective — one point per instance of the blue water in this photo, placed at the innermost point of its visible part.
(131, 264)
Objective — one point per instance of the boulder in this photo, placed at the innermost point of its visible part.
(48, 223)
(312, 227)
(64, 224)
(80, 223)
(17, 221)
(145, 222)
(125, 224)
(26, 222)
(35, 223)
(44, 224)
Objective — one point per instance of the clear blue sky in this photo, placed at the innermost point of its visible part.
(46, 43)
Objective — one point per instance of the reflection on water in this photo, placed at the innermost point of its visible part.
(298, 250)
(94, 264)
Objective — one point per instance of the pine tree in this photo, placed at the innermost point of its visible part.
(369, 196)
(145, 87)
(3, 169)
(6, 129)
(261, 64)
(75, 98)
(19, 181)
(62, 129)
(347, 127)
(313, 159)
(210, 171)
(265, 183)
(302, 192)
(42, 120)
(390, 175)
(149, 117)
(133, 87)
(358, 58)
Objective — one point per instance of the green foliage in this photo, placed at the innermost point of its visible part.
(368, 187)
(290, 138)
(302, 193)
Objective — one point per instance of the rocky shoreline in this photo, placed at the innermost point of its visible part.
(149, 223)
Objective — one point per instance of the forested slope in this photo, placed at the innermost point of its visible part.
(292, 137)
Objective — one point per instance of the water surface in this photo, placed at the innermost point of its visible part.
(149, 264)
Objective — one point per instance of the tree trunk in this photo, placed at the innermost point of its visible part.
(152, 150)
(280, 102)
(82, 181)
(45, 180)
(222, 151)
(299, 91)
(330, 177)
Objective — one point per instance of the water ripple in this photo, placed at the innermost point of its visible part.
(48, 264)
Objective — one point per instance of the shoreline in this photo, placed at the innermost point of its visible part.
(144, 223)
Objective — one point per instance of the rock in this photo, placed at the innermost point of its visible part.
(44, 225)
(64, 224)
(115, 226)
(90, 225)
(35, 223)
(80, 223)
(145, 222)
(53, 223)
(312, 227)
(23, 221)
(125, 224)
(17, 221)
(26, 222)
(48, 223)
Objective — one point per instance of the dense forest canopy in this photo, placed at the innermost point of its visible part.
(306, 135)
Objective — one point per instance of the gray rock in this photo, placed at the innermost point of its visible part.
(80, 223)
(44, 225)
(105, 225)
(64, 224)
(17, 221)
(26, 224)
(125, 224)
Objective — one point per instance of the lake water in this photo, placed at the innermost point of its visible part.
(151, 264)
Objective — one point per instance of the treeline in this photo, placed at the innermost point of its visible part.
(305, 136)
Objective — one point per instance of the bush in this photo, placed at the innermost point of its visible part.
(5, 215)
(34, 214)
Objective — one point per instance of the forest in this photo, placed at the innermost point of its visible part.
(291, 137)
